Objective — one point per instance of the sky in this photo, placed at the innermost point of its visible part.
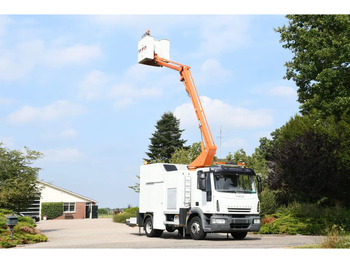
(71, 88)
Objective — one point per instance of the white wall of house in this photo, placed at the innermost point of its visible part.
(49, 194)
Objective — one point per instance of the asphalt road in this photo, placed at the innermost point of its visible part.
(104, 233)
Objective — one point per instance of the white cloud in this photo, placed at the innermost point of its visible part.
(76, 54)
(234, 143)
(122, 103)
(55, 135)
(4, 21)
(221, 114)
(5, 101)
(283, 91)
(218, 33)
(93, 86)
(211, 70)
(222, 34)
(62, 155)
(69, 133)
(19, 60)
(54, 111)
(126, 90)
(126, 94)
(7, 141)
(133, 85)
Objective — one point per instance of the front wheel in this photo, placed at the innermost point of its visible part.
(150, 231)
(239, 235)
(196, 229)
(170, 228)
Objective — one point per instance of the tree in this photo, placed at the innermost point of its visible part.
(321, 63)
(18, 179)
(186, 156)
(166, 139)
(256, 161)
(311, 160)
(136, 187)
(166, 145)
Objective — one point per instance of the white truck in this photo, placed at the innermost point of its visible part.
(216, 199)
(198, 198)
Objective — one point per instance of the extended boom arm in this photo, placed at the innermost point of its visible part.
(208, 146)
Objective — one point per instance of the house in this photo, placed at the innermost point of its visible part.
(74, 205)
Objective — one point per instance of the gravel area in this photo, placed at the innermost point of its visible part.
(104, 233)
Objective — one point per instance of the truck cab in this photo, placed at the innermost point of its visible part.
(229, 201)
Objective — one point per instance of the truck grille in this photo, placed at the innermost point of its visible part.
(239, 209)
(239, 225)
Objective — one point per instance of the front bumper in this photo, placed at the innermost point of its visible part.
(233, 224)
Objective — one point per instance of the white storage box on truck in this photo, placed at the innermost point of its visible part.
(216, 199)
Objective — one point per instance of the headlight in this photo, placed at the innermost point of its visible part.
(218, 221)
(256, 221)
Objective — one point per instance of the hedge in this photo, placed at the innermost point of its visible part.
(122, 217)
(51, 210)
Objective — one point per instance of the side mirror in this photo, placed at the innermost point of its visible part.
(201, 183)
(259, 184)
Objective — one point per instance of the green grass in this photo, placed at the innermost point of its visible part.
(105, 216)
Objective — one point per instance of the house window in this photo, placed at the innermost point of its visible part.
(69, 207)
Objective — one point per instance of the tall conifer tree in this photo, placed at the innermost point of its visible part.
(166, 139)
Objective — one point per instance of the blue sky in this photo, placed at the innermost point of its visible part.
(71, 88)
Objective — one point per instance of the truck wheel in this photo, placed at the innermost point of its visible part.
(196, 229)
(148, 227)
(239, 235)
(170, 229)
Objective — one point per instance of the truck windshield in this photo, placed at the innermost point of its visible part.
(234, 183)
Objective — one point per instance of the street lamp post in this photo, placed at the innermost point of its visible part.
(11, 222)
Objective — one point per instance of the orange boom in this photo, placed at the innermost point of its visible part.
(150, 53)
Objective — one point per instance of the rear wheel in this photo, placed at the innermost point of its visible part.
(196, 229)
(150, 231)
(239, 235)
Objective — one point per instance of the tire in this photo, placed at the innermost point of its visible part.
(196, 229)
(170, 229)
(150, 231)
(239, 235)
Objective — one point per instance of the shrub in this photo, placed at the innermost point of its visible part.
(122, 217)
(52, 210)
(336, 239)
(26, 221)
(306, 219)
(24, 232)
(268, 204)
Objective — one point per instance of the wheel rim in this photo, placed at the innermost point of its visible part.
(148, 227)
(195, 228)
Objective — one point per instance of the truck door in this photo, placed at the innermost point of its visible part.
(204, 184)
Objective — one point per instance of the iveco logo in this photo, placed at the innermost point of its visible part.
(242, 196)
(142, 49)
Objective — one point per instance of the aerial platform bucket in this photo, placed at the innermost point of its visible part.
(147, 47)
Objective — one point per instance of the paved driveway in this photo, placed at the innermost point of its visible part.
(104, 233)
